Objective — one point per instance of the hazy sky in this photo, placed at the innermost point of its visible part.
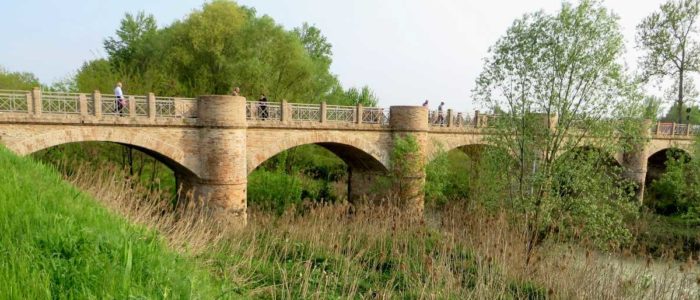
(406, 50)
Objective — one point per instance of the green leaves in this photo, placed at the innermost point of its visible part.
(560, 85)
(669, 38)
(214, 49)
(17, 80)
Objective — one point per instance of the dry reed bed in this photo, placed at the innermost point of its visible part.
(379, 252)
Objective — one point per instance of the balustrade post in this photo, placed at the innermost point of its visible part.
(97, 99)
(151, 106)
(476, 119)
(358, 114)
(658, 127)
(36, 101)
(285, 116)
(687, 130)
(324, 109)
(450, 121)
(83, 105)
(673, 128)
(132, 106)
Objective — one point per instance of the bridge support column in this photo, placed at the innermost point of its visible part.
(361, 183)
(635, 162)
(223, 177)
(411, 121)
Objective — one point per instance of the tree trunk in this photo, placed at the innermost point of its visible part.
(680, 96)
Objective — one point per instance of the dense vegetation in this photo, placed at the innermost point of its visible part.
(319, 252)
(214, 49)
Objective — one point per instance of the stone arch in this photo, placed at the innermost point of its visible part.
(473, 149)
(356, 152)
(656, 162)
(439, 143)
(166, 153)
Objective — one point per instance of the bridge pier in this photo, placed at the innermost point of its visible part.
(411, 120)
(222, 180)
(634, 163)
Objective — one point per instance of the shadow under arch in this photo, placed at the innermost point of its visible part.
(101, 148)
(361, 167)
(476, 152)
(656, 162)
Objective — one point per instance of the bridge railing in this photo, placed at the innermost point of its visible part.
(14, 101)
(37, 101)
(338, 113)
(305, 112)
(675, 129)
(61, 103)
(375, 115)
(460, 119)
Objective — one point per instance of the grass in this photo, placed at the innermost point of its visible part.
(58, 242)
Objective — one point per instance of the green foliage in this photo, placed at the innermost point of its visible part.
(437, 179)
(284, 181)
(353, 96)
(98, 75)
(556, 76)
(591, 200)
(58, 242)
(405, 161)
(677, 191)
(692, 118)
(214, 49)
(132, 163)
(17, 80)
(669, 38)
(274, 190)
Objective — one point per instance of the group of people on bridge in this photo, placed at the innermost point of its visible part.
(439, 117)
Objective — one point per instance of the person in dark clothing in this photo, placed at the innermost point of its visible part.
(441, 114)
(263, 107)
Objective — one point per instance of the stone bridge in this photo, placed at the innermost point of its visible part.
(213, 142)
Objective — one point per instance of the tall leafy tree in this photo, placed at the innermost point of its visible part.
(558, 80)
(133, 30)
(669, 37)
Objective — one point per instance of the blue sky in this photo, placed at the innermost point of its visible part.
(406, 50)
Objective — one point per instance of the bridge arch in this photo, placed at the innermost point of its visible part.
(656, 162)
(170, 155)
(357, 153)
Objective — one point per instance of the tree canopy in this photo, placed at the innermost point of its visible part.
(669, 38)
(557, 78)
(17, 80)
(214, 49)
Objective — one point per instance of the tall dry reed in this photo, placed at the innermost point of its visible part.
(335, 250)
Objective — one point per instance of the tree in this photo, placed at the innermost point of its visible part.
(668, 37)
(558, 80)
(17, 80)
(320, 51)
(132, 31)
(353, 96)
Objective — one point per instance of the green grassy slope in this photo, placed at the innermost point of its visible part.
(56, 242)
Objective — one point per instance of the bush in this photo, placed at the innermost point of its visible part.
(274, 190)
